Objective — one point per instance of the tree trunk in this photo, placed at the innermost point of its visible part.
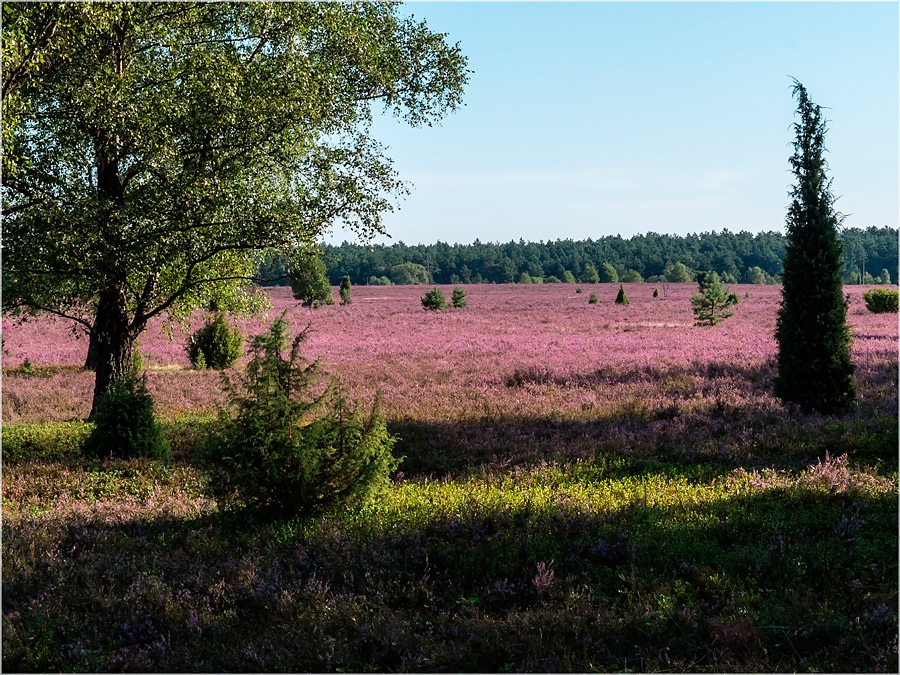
(93, 352)
(114, 343)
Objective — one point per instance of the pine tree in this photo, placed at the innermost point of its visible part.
(814, 366)
(712, 303)
(621, 298)
(458, 299)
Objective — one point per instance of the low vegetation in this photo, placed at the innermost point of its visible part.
(881, 300)
(611, 492)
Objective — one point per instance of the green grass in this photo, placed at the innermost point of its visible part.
(614, 563)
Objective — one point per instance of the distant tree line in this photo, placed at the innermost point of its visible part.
(736, 257)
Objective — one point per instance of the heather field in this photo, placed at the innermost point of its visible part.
(585, 487)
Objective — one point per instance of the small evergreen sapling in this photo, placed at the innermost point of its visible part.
(124, 423)
(345, 290)
(593, 299)
(458, 299)
(621, 298)
(434, 299)
(292, 447)
(712, 303)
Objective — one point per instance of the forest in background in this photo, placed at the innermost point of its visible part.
(738, 258)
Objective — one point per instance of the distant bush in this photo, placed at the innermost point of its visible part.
(524, 278)
(215, 345)
(632, 277)
(589, 275)
(124, 423)
(345, 290)
(621, 298)
(881, 300)
(884, 277)
(568, 277)
(458, 298)
(289, 449)
(309, 281)
(578, 290)
(409, 274)
(434, 299)
(380, 281)
(593, 299)
(655, 292)
(608, 274)
(677, 273)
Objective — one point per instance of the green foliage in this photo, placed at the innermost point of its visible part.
(309, 283)
(345, 290)
(124, 423)
(49, 442)
(408, 273)
(180, 144)
(608, 273)
(814, 366)
(589, 274)
(632, 277)
(380, 281)
(711, 304)
(434, 299)
(881, 300)
(524, 278)
(568, 277)
(756, 275)
(621, 298)
(578, 289)
(593, 299)
(28, 368)
(885, 277)
(215, 345)
(290, 449)
(678, 273)
(458, 298)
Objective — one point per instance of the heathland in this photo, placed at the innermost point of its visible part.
(585, 487)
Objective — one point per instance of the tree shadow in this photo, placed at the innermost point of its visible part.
(774, 579)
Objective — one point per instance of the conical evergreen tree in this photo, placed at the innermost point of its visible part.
(814, 366)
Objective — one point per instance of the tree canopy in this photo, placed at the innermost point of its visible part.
(151, 150)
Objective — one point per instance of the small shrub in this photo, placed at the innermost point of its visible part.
(124, 423)
(578, 290)
(458, 299)
(345, 290)
(593, 299)
(215, 345)
(28, 367)
(881, 300)
(434, 299)
(621, 298)
(655, 292)
(380, 281)
(290, 450)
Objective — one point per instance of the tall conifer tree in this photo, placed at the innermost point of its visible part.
(814, 366)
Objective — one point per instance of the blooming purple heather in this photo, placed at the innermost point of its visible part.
(567, 354)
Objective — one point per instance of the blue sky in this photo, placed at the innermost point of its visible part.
(593, 119)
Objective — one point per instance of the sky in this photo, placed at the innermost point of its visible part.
(590, 119)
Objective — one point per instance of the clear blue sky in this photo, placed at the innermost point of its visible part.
(593, 119)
